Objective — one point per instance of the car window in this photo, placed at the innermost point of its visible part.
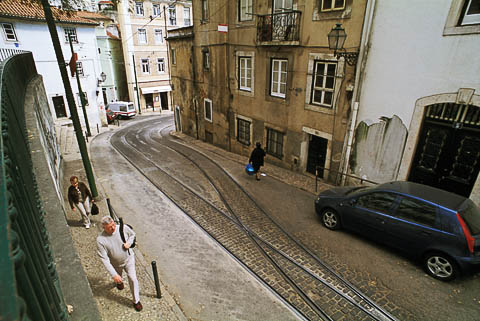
(123, 108)
(359, 189)
(470, 213)
(130, 107)
(416, 211)
(378, 201)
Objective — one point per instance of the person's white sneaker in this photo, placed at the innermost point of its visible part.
(87, 226)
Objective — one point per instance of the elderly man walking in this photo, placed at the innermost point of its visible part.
(116, 256)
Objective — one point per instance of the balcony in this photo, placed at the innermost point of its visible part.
(279, 29)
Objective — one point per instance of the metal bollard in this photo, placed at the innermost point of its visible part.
(155, 276)
(98, 130)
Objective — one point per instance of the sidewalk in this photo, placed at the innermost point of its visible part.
(112, 303)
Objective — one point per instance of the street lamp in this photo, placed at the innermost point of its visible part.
(336, 40)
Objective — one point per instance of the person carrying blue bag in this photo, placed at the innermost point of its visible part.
(256, 159)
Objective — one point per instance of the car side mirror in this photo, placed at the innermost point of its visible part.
(352, 202)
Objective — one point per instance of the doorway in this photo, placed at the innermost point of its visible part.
(59, 105)
(148, 100)
(164, 100)
(448, 151)
(317, 154)
(105, 99)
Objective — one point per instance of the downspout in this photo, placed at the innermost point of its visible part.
(229, 111)
(367, 24)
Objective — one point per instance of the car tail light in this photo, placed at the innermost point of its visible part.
(466, 232)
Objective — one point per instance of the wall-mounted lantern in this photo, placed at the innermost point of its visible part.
(336, 40)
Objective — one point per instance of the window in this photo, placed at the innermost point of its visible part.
(208, 109)
(139, 8)
(161, 65)
(323, 83)
(173, 55)
(471, 13)
(145, 66)
(274, 143)
(9, 32)
(158, 36)
(279, 78)
(463, 18)
(416, 211)
(80, 69)
(70, 31)
(245, 10)
(245, 73)
(186, 17)
(381, 202)
(142, 36)
(156, 10)
(80, 99)
(243, 131)
(282, 5)
(206, 58)
(330, 5)
(172, 15)
(204, 10)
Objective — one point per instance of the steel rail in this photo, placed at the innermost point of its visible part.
(318, 260)
(256, 239)
(258, 277)
(306, 249)
(303, 247)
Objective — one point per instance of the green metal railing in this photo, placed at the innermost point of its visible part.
(29, 286)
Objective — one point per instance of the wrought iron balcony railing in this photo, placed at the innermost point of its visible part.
(279, 27)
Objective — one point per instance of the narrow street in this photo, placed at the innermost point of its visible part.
(216, 273)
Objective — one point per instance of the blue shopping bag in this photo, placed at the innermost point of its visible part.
(249, 169)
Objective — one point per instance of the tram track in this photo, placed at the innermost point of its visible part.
(244, 229)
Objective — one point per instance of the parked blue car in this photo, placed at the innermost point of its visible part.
(438, 227)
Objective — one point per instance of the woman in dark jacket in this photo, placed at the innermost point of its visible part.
(79, 196)
(256, 159)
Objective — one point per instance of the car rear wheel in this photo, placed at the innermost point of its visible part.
(440, 266)
(330, 219)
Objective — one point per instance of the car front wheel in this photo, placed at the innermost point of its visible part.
(440, 266)
(330, 219)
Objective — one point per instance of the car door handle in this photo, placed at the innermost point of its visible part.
(381, 221)
(426, 233)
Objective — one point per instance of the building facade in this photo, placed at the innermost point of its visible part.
(419, 106)
(262, 71)
(24, 27)
(144, 26)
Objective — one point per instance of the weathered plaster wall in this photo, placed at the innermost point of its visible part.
(378, 149)
(42, 125)
(408, 61)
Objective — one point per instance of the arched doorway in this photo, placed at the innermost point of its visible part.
(447, 155)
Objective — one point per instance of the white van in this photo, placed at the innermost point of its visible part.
(122, 109)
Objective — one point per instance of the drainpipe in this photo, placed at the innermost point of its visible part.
(367, 24)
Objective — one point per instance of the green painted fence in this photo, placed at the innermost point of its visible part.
(29, 286)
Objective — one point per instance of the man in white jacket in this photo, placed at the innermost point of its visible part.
(116, 256)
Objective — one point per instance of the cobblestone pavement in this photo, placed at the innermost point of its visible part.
(389, 278)
(222, 225)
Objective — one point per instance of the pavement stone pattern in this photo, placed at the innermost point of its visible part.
(229, 235)
(117, 305)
